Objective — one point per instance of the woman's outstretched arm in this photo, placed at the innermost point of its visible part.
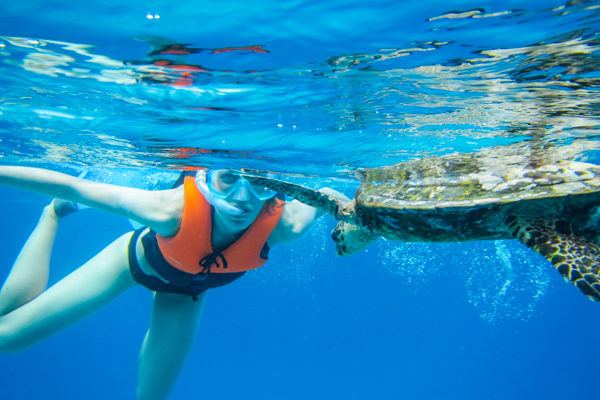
(160, 210)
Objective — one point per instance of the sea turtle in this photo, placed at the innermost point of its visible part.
(538, 195)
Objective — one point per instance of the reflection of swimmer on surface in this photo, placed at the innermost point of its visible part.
(172, 74)
(166, 63)
(179, 72)
(202, 234)
(184, 49)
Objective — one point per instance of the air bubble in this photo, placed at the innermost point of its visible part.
(504, 281)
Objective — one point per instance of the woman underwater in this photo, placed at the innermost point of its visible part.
(202, 234)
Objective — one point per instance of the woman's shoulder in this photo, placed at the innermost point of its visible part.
(168, 209)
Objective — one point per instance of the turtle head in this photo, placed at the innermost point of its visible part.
(347, 211)
(350, 239)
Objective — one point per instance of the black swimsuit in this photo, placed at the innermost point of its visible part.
(174, 280)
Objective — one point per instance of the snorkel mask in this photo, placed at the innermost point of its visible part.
(221, 186)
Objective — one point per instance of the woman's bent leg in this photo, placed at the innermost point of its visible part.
(171, 334)
(86, 289)
(28, 277)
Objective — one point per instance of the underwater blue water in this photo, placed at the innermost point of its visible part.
(314, 90)
(458, 321)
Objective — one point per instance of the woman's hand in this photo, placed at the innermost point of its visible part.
(334, 193)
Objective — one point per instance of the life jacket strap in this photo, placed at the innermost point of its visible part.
(210, 260)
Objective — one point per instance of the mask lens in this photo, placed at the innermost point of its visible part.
(222, 182)
(263, 192)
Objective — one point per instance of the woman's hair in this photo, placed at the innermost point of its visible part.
(181, 178)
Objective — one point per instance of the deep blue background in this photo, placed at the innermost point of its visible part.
(398, 321)
(311, 325)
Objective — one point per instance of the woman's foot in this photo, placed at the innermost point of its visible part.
(62, 208)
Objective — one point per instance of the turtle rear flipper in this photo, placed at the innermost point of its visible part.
(575, 258)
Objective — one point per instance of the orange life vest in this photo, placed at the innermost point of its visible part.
(190, 249)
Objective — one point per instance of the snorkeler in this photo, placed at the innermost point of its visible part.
(202, 234)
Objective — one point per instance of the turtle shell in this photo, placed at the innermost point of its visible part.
(498, 175)
(469, 196)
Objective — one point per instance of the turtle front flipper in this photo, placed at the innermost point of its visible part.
(323, 200)
(574, 257)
